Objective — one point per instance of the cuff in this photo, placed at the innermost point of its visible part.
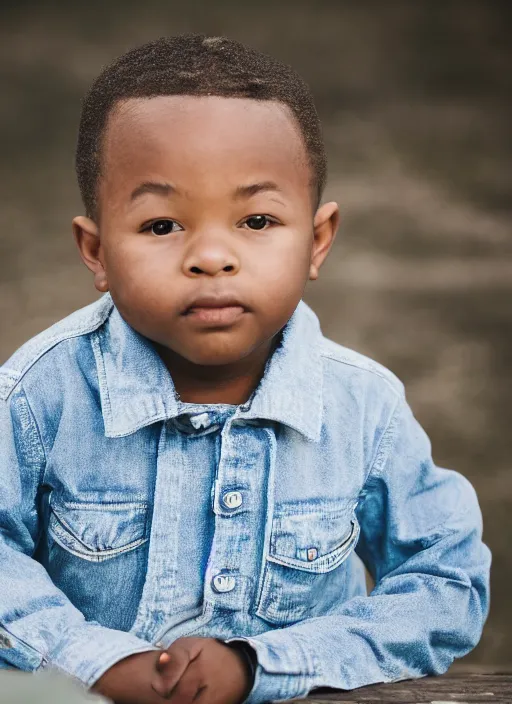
(248, 653)
(87, 652)
(285, 670)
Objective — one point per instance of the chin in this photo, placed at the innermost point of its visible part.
(217, 352)
(213, 358)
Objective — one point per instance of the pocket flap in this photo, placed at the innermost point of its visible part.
(97, 531)
(315, 543)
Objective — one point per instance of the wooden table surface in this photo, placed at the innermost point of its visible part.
(452, 688)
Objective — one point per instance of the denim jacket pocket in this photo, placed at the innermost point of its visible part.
(98, 531)
(300, 572)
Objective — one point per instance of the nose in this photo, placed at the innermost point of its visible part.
(209, 255)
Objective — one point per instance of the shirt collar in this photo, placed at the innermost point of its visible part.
(136, 389)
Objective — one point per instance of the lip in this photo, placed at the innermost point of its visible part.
(227, 315)
(215, 310)
(219, 301)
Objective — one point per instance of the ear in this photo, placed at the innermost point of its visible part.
(325, 226)
(87, 238)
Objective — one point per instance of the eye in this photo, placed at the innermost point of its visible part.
(259, 222)
(163, 227)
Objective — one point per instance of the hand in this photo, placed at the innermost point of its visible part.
(129, 680)
(202, 670)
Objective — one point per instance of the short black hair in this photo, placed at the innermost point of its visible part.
(192, 64)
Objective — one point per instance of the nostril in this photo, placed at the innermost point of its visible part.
(214, 270)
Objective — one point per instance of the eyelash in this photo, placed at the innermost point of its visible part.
(150, 225)
(270, 221)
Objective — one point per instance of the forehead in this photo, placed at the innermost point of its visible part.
(189, 138)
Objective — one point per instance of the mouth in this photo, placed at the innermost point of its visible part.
(210, 310)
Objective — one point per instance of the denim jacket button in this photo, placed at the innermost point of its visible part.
(232, 499)
(223, 583)
(202, 420)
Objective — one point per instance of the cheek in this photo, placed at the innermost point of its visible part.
(134, 260)
(286, 261)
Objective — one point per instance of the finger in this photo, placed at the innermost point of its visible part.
(189, 688)
(163, 660)
(170, 669)
(201, 695)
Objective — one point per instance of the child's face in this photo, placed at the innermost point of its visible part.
(205, 197)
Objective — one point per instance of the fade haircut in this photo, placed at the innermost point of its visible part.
(192, 64)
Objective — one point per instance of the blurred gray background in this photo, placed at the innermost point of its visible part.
(415, 101)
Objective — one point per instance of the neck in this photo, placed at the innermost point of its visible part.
(227, 383)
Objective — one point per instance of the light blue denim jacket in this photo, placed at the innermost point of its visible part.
(129, 518)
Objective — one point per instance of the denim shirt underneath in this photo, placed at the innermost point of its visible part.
(129, 519)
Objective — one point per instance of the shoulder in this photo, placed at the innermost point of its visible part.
(78, 324)
(342, 362)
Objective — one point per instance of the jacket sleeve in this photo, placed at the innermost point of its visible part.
(39, 626)
(421, 541)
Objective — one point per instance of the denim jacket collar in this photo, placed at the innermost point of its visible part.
(136, 389)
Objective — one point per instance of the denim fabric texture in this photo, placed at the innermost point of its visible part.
(129, 518)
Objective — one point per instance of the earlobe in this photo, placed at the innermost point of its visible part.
(100, 282)
(325, 226)
(87, 238)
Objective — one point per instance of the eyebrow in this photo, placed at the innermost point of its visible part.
(255, 188)
(165, 189)
(154, 187)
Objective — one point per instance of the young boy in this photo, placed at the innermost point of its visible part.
(193, 477)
